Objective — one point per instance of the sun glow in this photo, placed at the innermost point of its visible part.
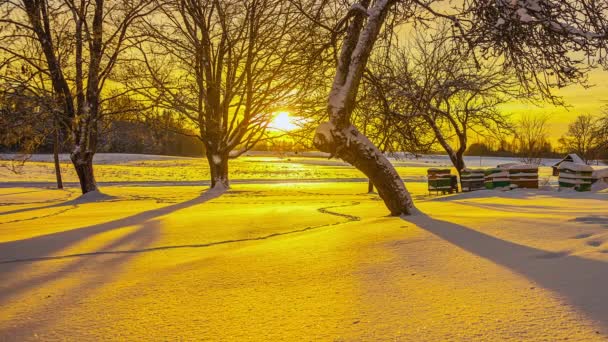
(282, 121)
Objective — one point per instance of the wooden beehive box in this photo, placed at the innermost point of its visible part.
(523, 176)
(439, 180)
(497, 178)
(472, 179)
(575, 176)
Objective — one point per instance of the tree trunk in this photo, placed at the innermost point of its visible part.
(218, 165)
(338, 137)
(83, 163)
(370, 187)
(459, 162)
(354, 148)
(56, 160)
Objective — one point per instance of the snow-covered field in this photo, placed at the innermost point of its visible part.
(278, 258)
(150, 169)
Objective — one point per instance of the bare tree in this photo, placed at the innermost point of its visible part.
(545, 43)
(224, 66)
(585, 137)
(451, 95)
(32, 111)
(531, 138)
(393, 134)
(537, 41)
(81, 42)
(338, 136)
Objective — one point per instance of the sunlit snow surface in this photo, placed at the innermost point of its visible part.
(295, 261)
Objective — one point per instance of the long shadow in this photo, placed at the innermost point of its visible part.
(73, 202)
(324, 210)
(581, 282)
(39, 316)
(521, 194)
(20, 192)
(46, 245)
(142, 237)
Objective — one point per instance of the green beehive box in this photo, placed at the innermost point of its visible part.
(471, 179)
(575, 176)
(496, 178)
(439, 180)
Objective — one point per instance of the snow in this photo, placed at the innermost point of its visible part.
(573, 157)
(217, 160)
(575, 167)
(267, 261)
(485, 265)
(524, 16)
(323, 134)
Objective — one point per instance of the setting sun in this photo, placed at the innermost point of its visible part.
(282, 121)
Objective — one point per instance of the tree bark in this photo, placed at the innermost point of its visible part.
(370, 187)
(353, 147)
(56, 160)
(458, 161)
(338, 137)
(218, 165)
(83, 163)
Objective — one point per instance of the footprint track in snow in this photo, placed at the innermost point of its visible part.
(595, 243)
(583, 236)
(324, 210)
(553, 255)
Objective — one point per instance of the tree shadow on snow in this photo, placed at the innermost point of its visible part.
(581, 282)
(95, 196)
(16, 255)
(84, 285)
(44, 246)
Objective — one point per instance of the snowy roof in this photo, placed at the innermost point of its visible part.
(575, 166)
(572, 157)
(516, 166)
(506, 165)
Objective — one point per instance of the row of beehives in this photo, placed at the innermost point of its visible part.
(506, 176)
(509, 176)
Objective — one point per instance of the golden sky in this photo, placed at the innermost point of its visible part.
(579, 100)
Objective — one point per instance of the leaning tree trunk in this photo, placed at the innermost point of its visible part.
(56, 160)
(83, 163)
(218, 166)
(353, 147)
(338, 136)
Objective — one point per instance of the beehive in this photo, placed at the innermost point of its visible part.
(575, 176)
(439, 180)
(497, 178)
(523, 176)
(472, 179)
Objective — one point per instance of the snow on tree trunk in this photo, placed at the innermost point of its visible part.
(338, 136)
(353, 147)
(218, 165)
(83, 163)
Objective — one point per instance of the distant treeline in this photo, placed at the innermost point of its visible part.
(547, 151)
(161, 133)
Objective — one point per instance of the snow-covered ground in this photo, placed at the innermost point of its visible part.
(133, 168)
(297, 261)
